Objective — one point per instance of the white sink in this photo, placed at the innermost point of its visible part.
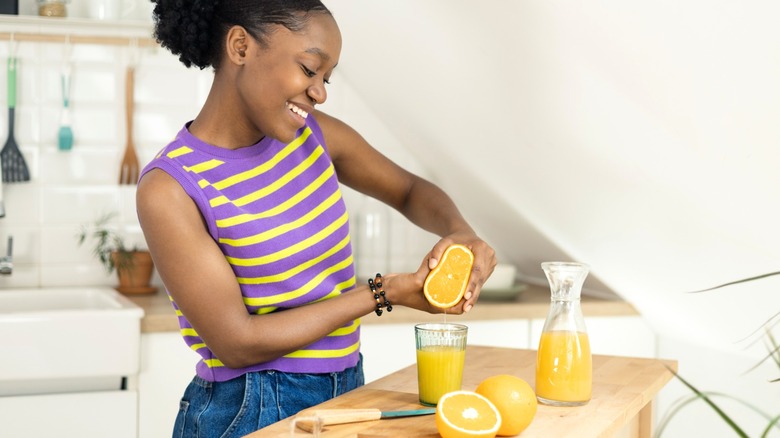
(67, 339)
(30, 301)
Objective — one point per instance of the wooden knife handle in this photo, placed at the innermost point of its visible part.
(305, 419)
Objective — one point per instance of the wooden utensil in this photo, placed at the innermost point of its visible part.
(129, 169)
(307, 420)
(14, 168)
(65, 134)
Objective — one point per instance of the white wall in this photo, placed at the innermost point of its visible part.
(639, 137)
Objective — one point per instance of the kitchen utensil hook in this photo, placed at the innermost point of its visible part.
(134, 52)
(68, 49)
(66, 69)
(13, 45)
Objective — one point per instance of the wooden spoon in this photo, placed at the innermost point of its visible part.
(129, 169)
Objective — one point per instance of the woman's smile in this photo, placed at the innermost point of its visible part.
(298, 113)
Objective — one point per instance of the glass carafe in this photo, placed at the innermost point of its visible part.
(564, 369)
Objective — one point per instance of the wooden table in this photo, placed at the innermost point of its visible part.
(622, 403)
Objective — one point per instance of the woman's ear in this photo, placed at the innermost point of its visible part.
(236, 44)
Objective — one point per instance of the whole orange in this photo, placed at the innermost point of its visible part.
(515, 400)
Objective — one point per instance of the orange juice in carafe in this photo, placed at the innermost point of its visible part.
(564, 369)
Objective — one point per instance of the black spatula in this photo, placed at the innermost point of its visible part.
(13, 165)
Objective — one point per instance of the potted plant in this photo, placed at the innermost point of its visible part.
(773, 355)
(134, 266)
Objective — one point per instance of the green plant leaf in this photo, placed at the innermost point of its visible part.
(744, 280)
(773, 353)
(709, 401)
(106, 240)
(769, 426)
(672, 411)
(770, 323)
(680, 403)
(766, 325)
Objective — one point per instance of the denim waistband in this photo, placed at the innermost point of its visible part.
(240, 406)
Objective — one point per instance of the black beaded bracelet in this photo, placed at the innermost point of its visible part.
(387, 304)
(372, 286)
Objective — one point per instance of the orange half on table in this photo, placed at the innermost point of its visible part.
(446, 284)
(466, 414)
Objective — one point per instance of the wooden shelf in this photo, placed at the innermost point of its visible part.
(76, 31)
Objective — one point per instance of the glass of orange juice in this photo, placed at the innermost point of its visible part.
(441, 353)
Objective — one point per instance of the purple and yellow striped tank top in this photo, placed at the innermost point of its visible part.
(277, 213)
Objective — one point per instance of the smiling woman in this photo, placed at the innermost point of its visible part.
(245, 220)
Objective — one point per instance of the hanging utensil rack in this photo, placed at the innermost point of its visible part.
(78, 39)
(76, 31)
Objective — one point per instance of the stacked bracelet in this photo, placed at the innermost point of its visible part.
(378, 280)
(375, 284)
(372, 286)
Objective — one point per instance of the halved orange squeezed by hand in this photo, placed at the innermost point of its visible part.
(446, 284)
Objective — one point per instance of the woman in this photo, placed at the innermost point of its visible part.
(244, 218)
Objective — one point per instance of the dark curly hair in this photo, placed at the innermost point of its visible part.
(195, 29)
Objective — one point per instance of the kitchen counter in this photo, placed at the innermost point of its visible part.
(622, 403)
(533, 302)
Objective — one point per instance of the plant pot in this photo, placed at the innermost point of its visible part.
(134, 270)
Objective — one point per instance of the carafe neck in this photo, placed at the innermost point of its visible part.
(566, 279)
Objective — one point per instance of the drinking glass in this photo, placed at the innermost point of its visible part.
(441, 353)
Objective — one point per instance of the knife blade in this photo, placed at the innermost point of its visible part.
(408, 413)
(309, 419)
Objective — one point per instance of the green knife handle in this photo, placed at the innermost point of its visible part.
(11, 82)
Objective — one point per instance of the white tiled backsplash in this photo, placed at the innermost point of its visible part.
(70, 188)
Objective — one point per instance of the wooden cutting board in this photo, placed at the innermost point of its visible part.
(423, 426)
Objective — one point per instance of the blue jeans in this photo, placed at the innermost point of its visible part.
(242, 405)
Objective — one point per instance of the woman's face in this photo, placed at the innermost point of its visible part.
(280, 84)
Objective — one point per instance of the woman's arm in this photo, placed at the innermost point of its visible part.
(365, 169)
(205, 289)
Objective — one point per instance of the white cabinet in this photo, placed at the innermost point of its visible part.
(386, 348)
(84, 415)
(167, 367)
